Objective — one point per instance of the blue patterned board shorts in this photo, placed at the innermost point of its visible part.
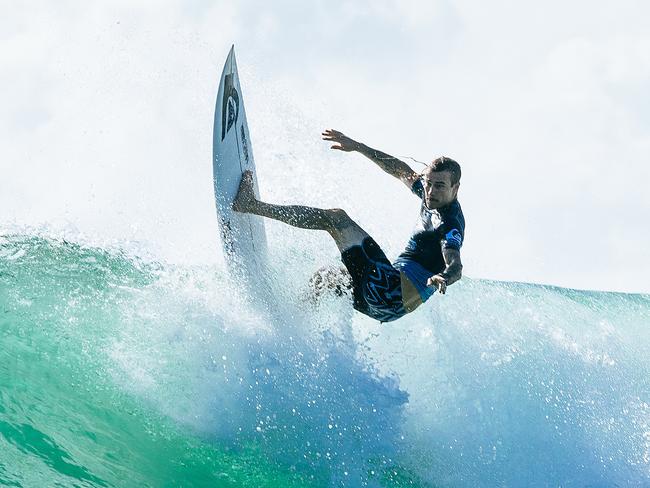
(376, 284)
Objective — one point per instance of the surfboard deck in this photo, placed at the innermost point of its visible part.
(243, 236)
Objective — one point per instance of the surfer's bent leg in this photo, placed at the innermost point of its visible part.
(376, 284)
(345, 231)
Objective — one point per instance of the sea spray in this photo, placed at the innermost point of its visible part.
(176, 343)
(114, 367)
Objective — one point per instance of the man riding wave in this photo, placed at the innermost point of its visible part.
(431, 261)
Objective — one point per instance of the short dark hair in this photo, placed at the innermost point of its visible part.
(443, 163)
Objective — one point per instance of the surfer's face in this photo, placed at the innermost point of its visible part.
(438, 190)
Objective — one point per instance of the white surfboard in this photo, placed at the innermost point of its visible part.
(243, 236)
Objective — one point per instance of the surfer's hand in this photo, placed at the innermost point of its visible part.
(343, 142)
(439, 282)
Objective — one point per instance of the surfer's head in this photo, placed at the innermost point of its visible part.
(440, 180)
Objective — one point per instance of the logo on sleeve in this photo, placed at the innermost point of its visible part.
(454, 238)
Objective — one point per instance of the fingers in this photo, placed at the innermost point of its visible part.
(442, 288)
(344, 143)
(440, 284)
(331, 134)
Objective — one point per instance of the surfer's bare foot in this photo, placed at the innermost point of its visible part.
(245, 198)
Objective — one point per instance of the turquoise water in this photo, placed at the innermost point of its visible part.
(117, 371)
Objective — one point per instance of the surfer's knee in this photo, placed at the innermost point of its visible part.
(345, 231)
(339, 218)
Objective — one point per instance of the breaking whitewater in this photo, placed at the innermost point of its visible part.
(116, 370)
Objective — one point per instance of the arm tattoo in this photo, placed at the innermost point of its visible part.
(386, 162)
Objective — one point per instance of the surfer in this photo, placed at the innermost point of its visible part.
(431, 261)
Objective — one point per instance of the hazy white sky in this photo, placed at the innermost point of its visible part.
(107, 114)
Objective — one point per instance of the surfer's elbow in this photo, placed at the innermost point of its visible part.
(454, 272)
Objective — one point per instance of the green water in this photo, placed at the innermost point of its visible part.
(62, 420)
(121, 372)
(66, 421)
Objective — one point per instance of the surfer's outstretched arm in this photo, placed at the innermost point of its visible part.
(390, 164)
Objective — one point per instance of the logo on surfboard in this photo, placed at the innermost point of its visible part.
(244, 143)
(229, 107)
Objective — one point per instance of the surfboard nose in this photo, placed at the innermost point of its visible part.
(230, 66)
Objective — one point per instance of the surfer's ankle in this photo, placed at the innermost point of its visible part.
(241, 204)
(245, 200)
